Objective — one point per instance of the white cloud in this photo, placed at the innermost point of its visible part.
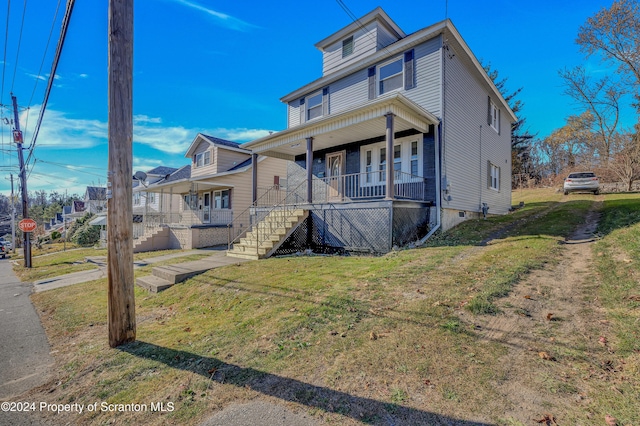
(239, 135)
(223, 19)
(59, 131)
(139, 119)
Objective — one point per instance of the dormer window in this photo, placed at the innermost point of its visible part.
(314, 105)
(347, 47)
(390, 76)
(203, 159)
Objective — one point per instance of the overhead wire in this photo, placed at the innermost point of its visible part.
(15, 67)
(44, 56)
(54, 67)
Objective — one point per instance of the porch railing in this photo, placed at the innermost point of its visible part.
(369, 185)
(246, 221)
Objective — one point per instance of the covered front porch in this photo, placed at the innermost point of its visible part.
(367, 178)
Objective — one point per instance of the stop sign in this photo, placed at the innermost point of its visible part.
(27, 225)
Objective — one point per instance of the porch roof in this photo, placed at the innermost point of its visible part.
(361, 123)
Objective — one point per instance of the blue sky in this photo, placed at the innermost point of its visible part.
(220, 68)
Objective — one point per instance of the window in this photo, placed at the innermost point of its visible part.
(136, 199)
(190, 202)
(151, 197)
(397, 161)
(221, 199)
(390, 76)
(493, 116)
(347, 47)
(203, 158)
(368, 166)
(407, 161)
(494, 177)
(414, 158)
(382, 167)
(314, 106)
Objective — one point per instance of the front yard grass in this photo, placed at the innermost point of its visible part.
(349, 339)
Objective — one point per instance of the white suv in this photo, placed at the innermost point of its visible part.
(582, 182)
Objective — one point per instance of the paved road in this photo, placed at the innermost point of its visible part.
(25, 359)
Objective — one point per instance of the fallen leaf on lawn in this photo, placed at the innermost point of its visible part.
(545, 356)
(547, 419)
(604, 321)
(527, 297)
(373, 335)
(610, 420)
(635, 297)
(187, 329)
(549, 315)
(626, 260)
(602, 340)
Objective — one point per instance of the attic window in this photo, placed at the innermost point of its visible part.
(347, 47)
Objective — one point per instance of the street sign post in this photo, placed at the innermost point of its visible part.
(27, 225)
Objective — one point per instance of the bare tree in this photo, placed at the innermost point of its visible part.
(601, 98)
(626, 163)
(614, 33)
(573, 144)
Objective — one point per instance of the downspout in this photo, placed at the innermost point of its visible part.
(438, 190)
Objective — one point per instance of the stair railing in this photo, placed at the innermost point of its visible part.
(286, 205)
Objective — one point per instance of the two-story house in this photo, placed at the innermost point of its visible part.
(401, 135)
(197, 203)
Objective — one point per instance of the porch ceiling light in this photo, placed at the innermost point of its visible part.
(295, 145)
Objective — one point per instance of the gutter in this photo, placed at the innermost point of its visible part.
(438, 190)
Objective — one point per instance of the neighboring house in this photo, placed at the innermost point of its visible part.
(207, 195)
(95, 200)
(77, 209)
(147, 206)
(402, 134)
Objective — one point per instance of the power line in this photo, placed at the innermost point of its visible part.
(15, 67)
(54, 67)
(46, 49)
(4, 57)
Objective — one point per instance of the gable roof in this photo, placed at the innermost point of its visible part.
(161, 171)
(96, 193)
(212, 140)
(376, 14)
(182, 173)
(451, 37)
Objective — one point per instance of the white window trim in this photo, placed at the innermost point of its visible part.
(379, 68)
(346, 42)
(494, 176)
(214, 199)
(320, 105)
(202, 158)
(494, 113)
(405, 155)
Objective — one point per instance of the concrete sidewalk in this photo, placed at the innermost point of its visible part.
(101, 270)
(25, 358)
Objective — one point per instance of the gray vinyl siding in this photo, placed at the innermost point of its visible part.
(348, 92)
(469, 144)
(365, 42)
(428, 75)
(293, 112)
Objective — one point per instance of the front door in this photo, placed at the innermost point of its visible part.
(206, 208)
(335, 175)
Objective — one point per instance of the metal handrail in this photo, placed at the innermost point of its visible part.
(284, 205)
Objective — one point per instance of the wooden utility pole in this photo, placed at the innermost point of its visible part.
(121, 304)
(17, 138)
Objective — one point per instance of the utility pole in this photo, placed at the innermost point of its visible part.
(121, 300)
(13, 218)
(17, 138)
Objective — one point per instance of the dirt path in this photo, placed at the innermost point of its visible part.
(545, 317)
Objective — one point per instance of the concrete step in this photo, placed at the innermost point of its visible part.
(153, 284)
(240, 255)
(182, 271)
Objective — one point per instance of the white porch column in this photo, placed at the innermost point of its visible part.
(389, 170)
(310, 170)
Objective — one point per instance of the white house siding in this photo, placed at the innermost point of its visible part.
(469, 143)
(365, 42)
(428, 74)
